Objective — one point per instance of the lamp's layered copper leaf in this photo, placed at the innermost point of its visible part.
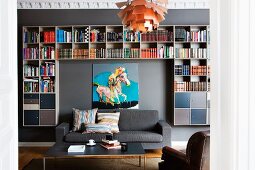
(142, 15)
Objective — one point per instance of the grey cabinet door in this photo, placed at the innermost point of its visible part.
(198, 116)
(182, 117)
(182, 100)
(47, 101)
(47, 117)
(198, 100)
(31, 117)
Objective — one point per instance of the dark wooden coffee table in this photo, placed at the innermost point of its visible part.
(97, 151)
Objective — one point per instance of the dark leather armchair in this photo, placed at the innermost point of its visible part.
(197, 155)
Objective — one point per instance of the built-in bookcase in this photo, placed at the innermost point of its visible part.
(187, 46)
(39, 76)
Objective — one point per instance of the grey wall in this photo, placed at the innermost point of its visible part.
(155, 76)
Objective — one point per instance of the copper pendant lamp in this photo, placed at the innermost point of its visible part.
(142, 15)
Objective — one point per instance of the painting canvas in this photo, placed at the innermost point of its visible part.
(115, 86)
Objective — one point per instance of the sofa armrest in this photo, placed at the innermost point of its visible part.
(175, 159)
(165, 130)
(61, 131)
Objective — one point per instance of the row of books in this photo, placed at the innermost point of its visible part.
(166, 52)
(198, 36)
(190, 86)
(131, 36)
(80, 53)
(97, 53)
(190, 53)
(194, 36)
(48, 69)
(149, 53)
(47, 52)
(150, 36)
(31, 85)
(47, 85)
(64, 36)
(31, 70)
(97, 36)
(131, 52)
(165, 35)
(113, 36)
(182, 70)
(199, 70)
(31, 37)
(47, 36)
(64, 53)
(81, 35)
(31, 53)
(114, 53)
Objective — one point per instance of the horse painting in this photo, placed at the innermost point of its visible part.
(112, 92)
(115, 85)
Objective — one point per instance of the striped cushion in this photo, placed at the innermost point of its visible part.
(83, 117)
(97, 128)
(111, 119)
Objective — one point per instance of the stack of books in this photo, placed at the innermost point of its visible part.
(111, 144)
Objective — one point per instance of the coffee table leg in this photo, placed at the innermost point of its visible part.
(140, 161)
(144, 162)
(43, 163)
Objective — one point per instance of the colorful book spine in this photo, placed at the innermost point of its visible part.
(165, 35)
(166, 52)
(114, 37)
(47, 85)
(150, 36)
(30, 53)
(199, 70)
(81, 35)
(149, 53)
(47, 36)
(47, 52)
(114, 53)
(64, 36)
(64, 53)
(190, 86)
(80, 53)
(31, 71)
(130, 36)
(97, 53)
(97, 36)
(31, 85)
(191, 53)
(48, 69)
(31, 37)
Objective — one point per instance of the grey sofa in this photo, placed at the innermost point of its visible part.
(135, 126)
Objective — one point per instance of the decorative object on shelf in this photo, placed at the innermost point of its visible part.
(115, 86)
(142, 15)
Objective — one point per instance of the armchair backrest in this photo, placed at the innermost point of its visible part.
(198, 151)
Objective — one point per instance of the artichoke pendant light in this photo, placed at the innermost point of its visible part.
(142, 15)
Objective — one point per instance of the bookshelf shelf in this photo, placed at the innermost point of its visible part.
(184, 45)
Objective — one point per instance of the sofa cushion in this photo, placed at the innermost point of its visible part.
(138, 136)
(111, 119)
(83, 117)
(132, 119)
(97, 128)
(79, 137)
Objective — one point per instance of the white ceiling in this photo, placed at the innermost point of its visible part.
(102, 4)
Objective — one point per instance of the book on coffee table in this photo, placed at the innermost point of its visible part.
(110, 146)
(76, 148)
(110, 141)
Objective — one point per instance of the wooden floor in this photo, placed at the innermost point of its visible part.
(26, 154)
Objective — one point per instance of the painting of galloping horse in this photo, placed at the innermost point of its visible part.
(115, 86)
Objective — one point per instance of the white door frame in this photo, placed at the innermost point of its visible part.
(8, 86)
